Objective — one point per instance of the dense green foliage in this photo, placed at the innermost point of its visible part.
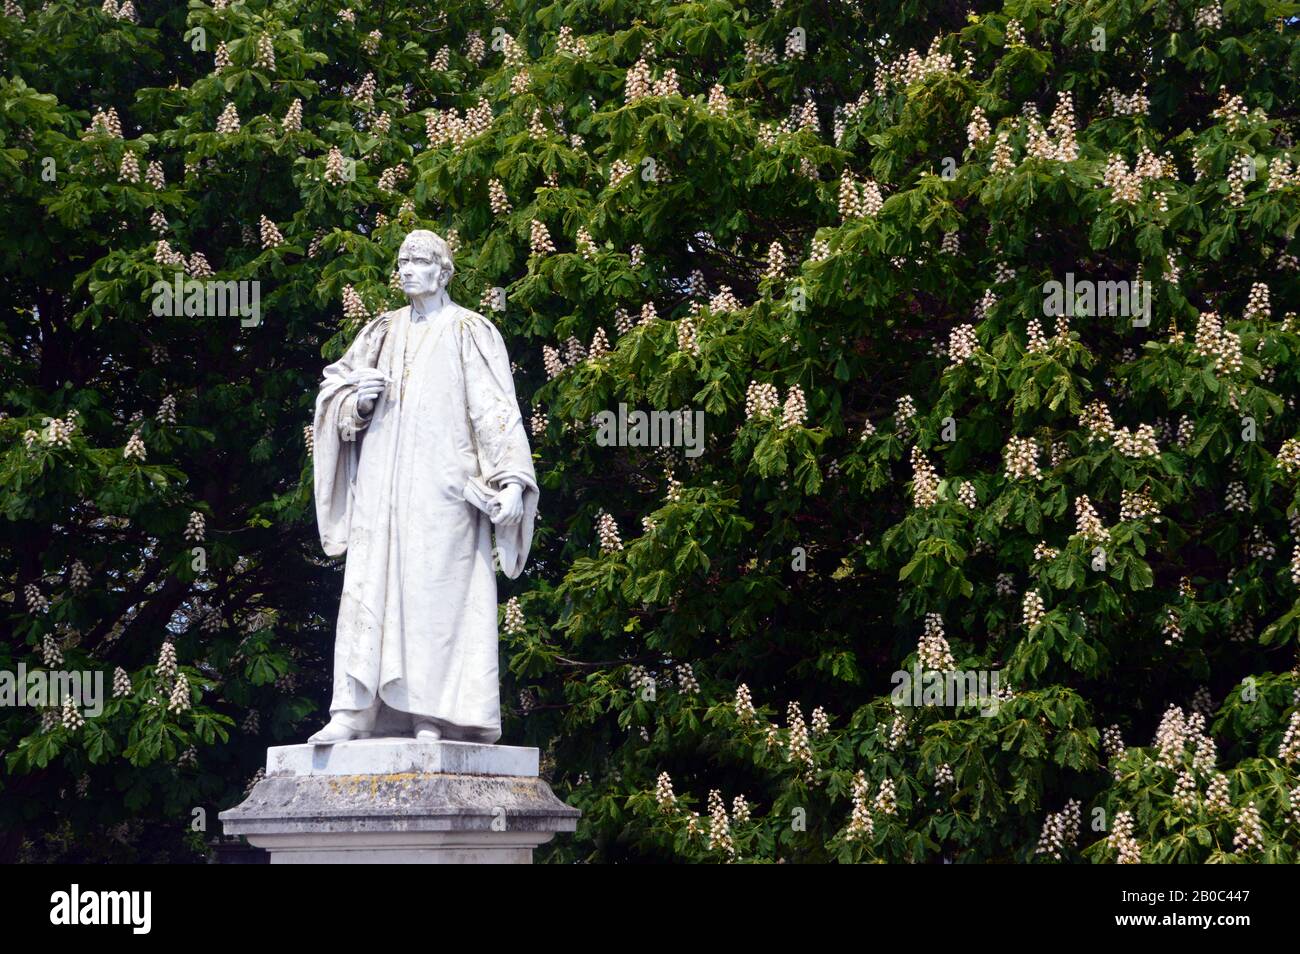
(769, 213)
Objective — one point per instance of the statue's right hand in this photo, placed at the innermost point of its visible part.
(367, 394)
(370, 383)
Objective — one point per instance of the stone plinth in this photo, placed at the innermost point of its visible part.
(400, 801)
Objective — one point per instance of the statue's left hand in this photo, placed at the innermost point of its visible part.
(508, 506)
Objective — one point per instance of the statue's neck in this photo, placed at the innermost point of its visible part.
(429, 305)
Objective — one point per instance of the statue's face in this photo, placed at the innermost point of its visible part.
(419, 272)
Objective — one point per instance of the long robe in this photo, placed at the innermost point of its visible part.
(417, 624)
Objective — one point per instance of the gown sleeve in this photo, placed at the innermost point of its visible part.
(337, 429)
(499, 436)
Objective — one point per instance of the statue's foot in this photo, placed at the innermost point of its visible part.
(336, 731)
(427, 732)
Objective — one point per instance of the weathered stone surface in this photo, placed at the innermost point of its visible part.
(400, 802)
(308, 810)
(398, 756)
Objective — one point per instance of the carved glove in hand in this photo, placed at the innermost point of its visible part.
(508, 506)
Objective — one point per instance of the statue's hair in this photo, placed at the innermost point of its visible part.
(425, 241)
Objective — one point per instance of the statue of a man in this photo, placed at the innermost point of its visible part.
(420, 452)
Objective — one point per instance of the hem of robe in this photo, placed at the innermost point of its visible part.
(391, 721)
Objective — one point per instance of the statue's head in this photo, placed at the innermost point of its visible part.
(424, 263)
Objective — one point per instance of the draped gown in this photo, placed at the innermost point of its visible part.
(417, 624)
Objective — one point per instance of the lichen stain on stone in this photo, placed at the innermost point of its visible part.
(389, 785)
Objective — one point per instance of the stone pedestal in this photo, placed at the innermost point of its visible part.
(399, 801)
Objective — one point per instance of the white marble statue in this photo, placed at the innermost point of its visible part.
(420, 453)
